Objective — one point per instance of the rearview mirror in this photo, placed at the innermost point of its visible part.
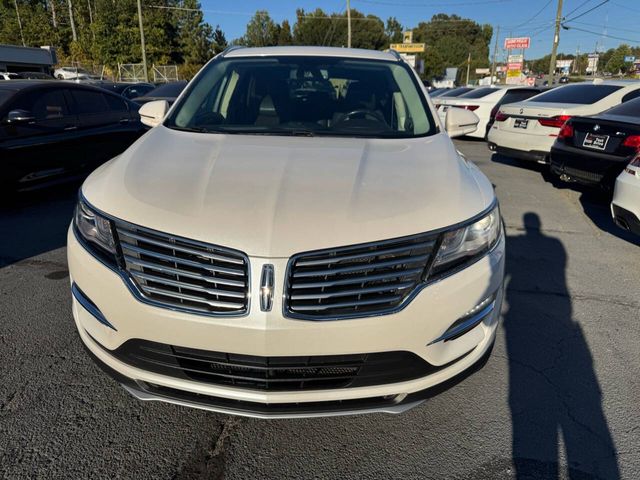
(20, 116)
(152, 113)
(459, 122)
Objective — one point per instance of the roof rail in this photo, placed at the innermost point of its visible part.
(230, 49)
(395, 54)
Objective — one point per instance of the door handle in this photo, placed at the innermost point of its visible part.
(70, 127)
(124, 120)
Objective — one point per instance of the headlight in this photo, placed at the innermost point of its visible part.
(464, 245)
(95, 230)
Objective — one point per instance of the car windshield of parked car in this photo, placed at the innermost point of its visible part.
(297, 95)
(626, 109)
(584, 94)
(478, 92)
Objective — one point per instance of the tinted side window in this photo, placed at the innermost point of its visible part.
(47, 105)
(116, 104)
(584, 94)
(631, 95)
(89, 102)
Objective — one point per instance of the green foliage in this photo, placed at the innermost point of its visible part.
(262, 31)
(449, 41)
(394, 30)
(616, 63)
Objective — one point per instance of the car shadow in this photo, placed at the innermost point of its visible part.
(554, 395)
(35, 223)
(526, 164)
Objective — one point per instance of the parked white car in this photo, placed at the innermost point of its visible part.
(277, 246)
(9, 76)
(482, 101)
(527, 130)
(73, 73)
(625, 206)
(451, 93)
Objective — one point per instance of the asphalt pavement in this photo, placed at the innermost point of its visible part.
(557, 399)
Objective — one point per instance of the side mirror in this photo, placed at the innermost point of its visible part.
(459, 122)
(152, 113)
(20, 116)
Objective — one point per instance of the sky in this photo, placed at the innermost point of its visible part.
(534, 18)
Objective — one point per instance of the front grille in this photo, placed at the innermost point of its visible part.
(274, 373)
(359, 280)
(185, 274)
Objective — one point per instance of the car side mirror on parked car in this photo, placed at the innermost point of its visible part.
(152, 113)
(20, 116)
(460, 122)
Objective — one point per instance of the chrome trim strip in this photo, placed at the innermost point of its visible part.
(466, 325)
(89, 306)
(145, 396)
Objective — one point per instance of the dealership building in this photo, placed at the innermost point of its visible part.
(27, 59)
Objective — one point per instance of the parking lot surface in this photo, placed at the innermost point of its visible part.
(557, 399)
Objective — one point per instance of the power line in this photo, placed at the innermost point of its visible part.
(584, 13)
(539, 12)
(578, 7)
(601, 34)
(446, 4)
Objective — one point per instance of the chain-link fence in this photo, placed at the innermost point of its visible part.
(131, 72)
(165, 73)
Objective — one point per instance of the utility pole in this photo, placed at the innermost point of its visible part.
(348, 23)
(556, 40)
(468, 66)
(15, 2)
(73, 23)
(52, 4)
(495, 51)
(144, 50)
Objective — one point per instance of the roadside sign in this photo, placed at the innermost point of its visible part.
(517, 42)
(407, 37)
(408, 47)
(517, 58)
(514, 66)
(482, 71)
(629, 58)
(563, 63)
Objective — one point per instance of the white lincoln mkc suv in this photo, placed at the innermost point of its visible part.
(296, 236)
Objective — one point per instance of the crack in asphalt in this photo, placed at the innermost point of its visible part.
(576, 296)
(210, 463)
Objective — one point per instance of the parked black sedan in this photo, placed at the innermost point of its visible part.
(168, 92)
(54, 131)
(594, 150)
(126, 89)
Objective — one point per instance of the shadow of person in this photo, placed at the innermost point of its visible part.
(554, 394)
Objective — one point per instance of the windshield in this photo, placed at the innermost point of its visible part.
(584, 93)
(626, 109)
(168, 90)
(298, 95)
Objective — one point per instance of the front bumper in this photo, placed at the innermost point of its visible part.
(268, 334)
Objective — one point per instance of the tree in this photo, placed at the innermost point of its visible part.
(194, 35)
(284, 34)
(616, 63)
(449, 41)
(261, 31)
(393, 30)
(319, 28)
(219, 40)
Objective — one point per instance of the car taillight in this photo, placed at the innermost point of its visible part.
(566, 131)
(632, 141)
(501, 117)
(471, 107)
(494, 110)
(634, 163)
(556, 122)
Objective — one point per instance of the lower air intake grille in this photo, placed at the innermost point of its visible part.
(274, 373)
(185, 274)
(359, 280)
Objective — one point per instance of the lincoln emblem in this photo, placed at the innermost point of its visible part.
(266, 288)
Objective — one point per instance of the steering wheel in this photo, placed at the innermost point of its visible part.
(362, 113)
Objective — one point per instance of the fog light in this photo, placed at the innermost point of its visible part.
(469, 320)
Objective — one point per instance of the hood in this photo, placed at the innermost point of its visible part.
(274, 196)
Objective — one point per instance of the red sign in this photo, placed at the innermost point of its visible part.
(514, 66)
(516, 43)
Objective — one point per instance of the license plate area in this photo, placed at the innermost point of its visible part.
(595, 141)
(520, 123)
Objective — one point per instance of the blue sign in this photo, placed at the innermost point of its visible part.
(629, 58)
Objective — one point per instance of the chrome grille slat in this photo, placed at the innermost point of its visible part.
(357, 280)
(188, 286)
(360, 268)
(184, 274)
(181, 248)
(182, 261)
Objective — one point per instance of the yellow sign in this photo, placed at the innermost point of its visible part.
(513, 73)
(408, 47)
